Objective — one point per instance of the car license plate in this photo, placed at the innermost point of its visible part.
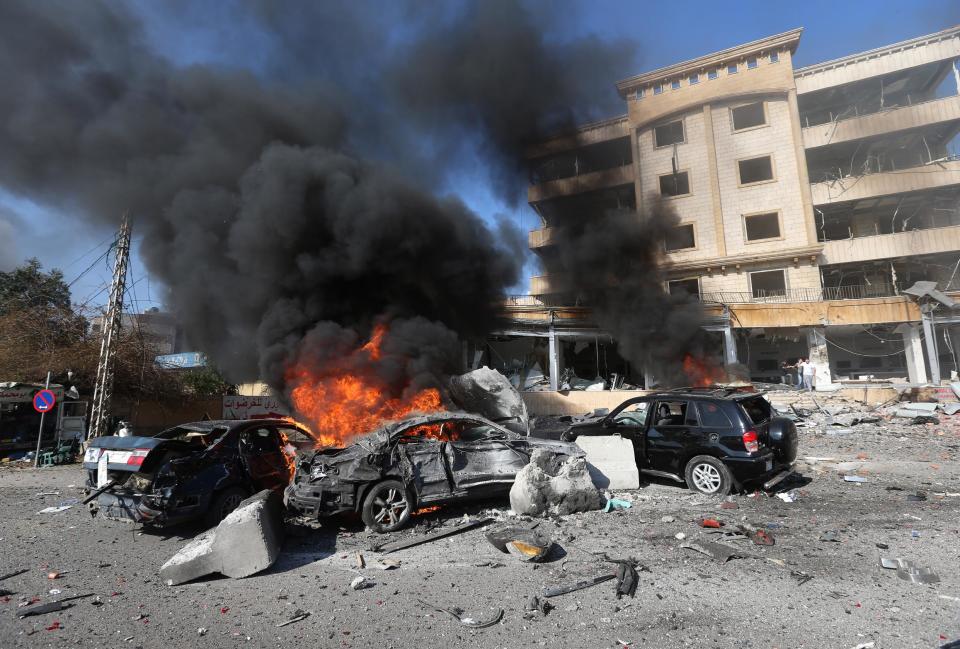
(118, 457)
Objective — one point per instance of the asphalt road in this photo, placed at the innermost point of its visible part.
(685, 599)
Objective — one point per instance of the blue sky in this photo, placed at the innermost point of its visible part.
(666, 33)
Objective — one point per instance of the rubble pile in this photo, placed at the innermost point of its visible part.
(543, 488)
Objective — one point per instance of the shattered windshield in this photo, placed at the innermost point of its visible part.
(202, 437)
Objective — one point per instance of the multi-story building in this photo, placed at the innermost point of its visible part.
(808, 199)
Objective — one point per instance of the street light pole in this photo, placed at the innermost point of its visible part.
(43, 415)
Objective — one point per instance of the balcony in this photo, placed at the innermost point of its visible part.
(855, 127)
(548, 284)
(892, 246)
(541, 238)
(827, 293)
(580, 184)
(850, 188)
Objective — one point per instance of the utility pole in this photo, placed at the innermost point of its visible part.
(103, 389)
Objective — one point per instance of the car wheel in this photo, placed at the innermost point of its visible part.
(387, 507)
(223, 503)
(708, 475)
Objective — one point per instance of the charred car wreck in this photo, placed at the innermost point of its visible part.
(420, 461)
(198, 471)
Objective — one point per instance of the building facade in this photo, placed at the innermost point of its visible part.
(809, 199)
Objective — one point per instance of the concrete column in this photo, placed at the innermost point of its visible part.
(818, 355)
(913, 349)
(729, 346)
(554, 360)
(933, 356)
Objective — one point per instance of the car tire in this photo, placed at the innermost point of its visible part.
(387, 506)
(223, 503)
(708, 475)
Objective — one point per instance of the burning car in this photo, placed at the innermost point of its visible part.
(416, 462)
(195, 471)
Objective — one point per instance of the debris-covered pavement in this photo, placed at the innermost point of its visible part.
(834, 564)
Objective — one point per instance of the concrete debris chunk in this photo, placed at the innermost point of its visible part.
(611, 461)
(246, 542)
(543, 488)
(489, 393)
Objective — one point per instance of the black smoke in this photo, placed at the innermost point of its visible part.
(613, 261)
(288, 212)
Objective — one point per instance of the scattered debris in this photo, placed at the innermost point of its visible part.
(387, 548)
(246, 542)
(918, 497)
(580, 585)
(788, 496)
(616, 503)
(465, 620)
(202, 631)
(710, 523)
(298, 615)
(854, 478)
(53, 575)
(666, 519)
(524, 543)
(361, 564)
(387, 564)
(49, 607)
(924, 419)
(717, 551)
(910, 571)
(801, 576)
(679, 536)
(864, 645)
(542, 487)
(360, 582)
(627, 577)
(14, 573)
(830, 536)
(728, 504)
(54, 510)
(537, 605)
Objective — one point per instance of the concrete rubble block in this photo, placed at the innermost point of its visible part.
(610, 461)
(542, 487)
(246, 542)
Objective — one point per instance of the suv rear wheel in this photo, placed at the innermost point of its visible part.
(708, 475)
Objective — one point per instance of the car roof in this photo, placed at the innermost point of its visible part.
(210, 424)
(713, 392)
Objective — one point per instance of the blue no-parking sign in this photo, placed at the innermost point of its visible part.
(44, 400)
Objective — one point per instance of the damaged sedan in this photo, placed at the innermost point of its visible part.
(417, 462)
(196, 471)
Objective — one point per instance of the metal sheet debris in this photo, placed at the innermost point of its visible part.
(460, 615)
(717, 551)
(580, 585)
(910, 571)
(387, 548)
(854, 478)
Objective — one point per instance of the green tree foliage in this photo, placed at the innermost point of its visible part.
(27, 288)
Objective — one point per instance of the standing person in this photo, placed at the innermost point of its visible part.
(798, 366)
(787, 373)
(809, 372)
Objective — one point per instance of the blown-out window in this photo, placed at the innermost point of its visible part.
(762, 226)
(677, 184)
(755, 170)
(748, 116)
(680, 238)
(768, 283)
(669, 133)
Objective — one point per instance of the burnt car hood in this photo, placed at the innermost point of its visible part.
(489, 394)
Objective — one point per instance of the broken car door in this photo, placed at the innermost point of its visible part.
(264, 458)
(481, 456)
(672, 425)
(629, 420)
(422, 463)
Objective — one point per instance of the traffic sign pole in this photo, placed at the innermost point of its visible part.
(43, 415)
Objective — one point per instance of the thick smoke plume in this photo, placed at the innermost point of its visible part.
(614, 262)
(281, 228)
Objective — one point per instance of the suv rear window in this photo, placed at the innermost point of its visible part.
(712, 416)
(757, 409)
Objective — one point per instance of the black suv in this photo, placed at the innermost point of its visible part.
(713, 439)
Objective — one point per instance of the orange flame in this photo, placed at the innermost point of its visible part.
(289, 453)
(340, 404)
(701, 373)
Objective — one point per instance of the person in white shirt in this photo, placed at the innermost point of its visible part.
(809, 372)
